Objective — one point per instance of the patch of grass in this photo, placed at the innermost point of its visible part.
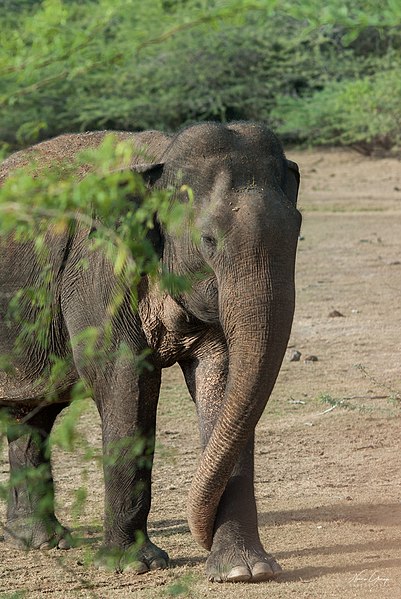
(181, 587)
(346, 404)
(340, 403)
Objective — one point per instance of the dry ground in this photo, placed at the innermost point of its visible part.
(328, 446)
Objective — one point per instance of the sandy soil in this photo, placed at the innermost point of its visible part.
(328, 445)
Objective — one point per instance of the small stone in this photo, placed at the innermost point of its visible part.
(335, 314)
(295, 356)
(311, 359)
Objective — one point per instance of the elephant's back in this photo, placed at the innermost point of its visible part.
(63, 149)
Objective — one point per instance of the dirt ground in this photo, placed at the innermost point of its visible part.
(328, 462)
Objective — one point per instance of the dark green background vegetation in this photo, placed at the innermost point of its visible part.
(318, 73)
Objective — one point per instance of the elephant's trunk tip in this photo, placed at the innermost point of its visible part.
(200, 532)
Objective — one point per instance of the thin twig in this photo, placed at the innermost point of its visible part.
(327, 411)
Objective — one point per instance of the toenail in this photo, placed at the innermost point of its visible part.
(239, 574)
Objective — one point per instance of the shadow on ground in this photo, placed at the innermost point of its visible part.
(386, 514)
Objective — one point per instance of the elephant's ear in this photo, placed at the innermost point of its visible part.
(292, 181)
(156, 237)
(151, 173)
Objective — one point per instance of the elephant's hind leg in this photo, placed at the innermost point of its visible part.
(31, 521)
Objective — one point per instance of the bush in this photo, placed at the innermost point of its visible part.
(120, 64)
(363, 113)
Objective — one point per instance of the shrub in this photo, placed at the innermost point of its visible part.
(364, 113)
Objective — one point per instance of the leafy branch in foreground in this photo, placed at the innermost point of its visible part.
(98, 197)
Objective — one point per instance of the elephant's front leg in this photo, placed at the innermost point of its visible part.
(128, 413)
(237, 553)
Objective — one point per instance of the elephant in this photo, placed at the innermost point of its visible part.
(228, 333)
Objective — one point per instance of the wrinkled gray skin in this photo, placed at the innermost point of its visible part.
(229, 335)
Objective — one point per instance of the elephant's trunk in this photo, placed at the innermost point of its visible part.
(256, 311)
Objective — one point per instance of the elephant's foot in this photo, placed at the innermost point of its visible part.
(241, 564)
(137, 560)
(29, 533)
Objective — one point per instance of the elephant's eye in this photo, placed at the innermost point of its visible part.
(209, 245)
(210, 241)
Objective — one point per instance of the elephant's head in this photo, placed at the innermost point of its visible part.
(245, 194)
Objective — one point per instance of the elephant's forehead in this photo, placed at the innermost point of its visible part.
(216, 140)
(230, 171)
(204, 139)
(214, 159)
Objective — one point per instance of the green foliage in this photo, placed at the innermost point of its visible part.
(127, 65)
(138, 449)
(65, 436)
(40, 202)
(123, 210)
(348, 403)
(28, 203)
(364, 113)
(64, 69)
(180, 587)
